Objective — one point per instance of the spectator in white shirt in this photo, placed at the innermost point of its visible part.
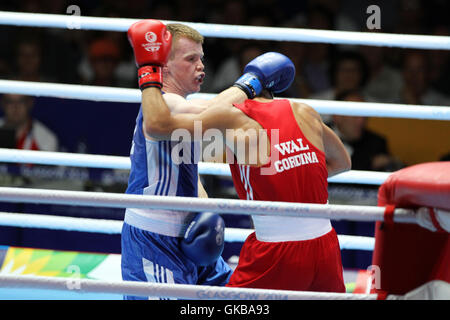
(30, 134)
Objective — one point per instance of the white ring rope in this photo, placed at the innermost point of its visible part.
(225, 206)
(123, 163)
(111, 94)
(234, 31)
(42, 221)
(65, 159)
(184, 291)
(105, 226)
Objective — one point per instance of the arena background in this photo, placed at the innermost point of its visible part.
(106, 128)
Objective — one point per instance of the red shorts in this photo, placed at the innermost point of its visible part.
(309, 265)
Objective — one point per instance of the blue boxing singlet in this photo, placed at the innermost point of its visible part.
(162, 168)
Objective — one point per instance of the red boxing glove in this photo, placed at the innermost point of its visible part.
(151, 43)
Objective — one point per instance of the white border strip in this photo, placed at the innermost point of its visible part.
(123, 163)
(105, 226)
(111, 94)
(187, 204)
(234, 31)
(183, 291)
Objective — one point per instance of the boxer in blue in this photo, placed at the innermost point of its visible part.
(172, 246)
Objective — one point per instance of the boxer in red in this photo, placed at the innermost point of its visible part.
(287, 252)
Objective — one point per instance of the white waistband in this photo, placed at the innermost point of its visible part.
(165, 222)
(277, 229)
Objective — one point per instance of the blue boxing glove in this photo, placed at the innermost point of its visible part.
(203, 241)
(272, 71)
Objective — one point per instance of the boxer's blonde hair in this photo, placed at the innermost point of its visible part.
(179, 30)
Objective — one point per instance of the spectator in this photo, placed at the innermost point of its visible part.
(29, 133)
(5, 38)
(317, 64)
(232, 68)
(384, 81)
(411, 17)
(440, 63)
(104, 56)
(223, 53)
(300, 87)
(120, 58)
(297, 52)
(29, 61)
(416, 87)
(104, 64)
(368, 150)
(348, 72)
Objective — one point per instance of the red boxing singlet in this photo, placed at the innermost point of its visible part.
(286, 252)
(298, 167)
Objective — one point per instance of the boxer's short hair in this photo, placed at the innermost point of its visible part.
(181, 30)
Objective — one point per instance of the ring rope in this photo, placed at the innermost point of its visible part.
(184, 291)
(105, 226)
(233, 31)
(111, 94)
(221, 206)
(123, 163)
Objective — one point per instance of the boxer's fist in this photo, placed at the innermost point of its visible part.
(203, 241)
(272, 71)
(151, 43)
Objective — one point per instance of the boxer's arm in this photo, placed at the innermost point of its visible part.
(337, 157)
(159, 122)
(178, 104)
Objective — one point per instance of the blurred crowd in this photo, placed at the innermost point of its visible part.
(324, 71)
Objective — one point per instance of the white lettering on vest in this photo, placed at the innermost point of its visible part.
(290, 146)
(296, 161)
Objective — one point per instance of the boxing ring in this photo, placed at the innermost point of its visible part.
(80, 288)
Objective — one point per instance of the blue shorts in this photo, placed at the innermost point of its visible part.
(151, 257)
